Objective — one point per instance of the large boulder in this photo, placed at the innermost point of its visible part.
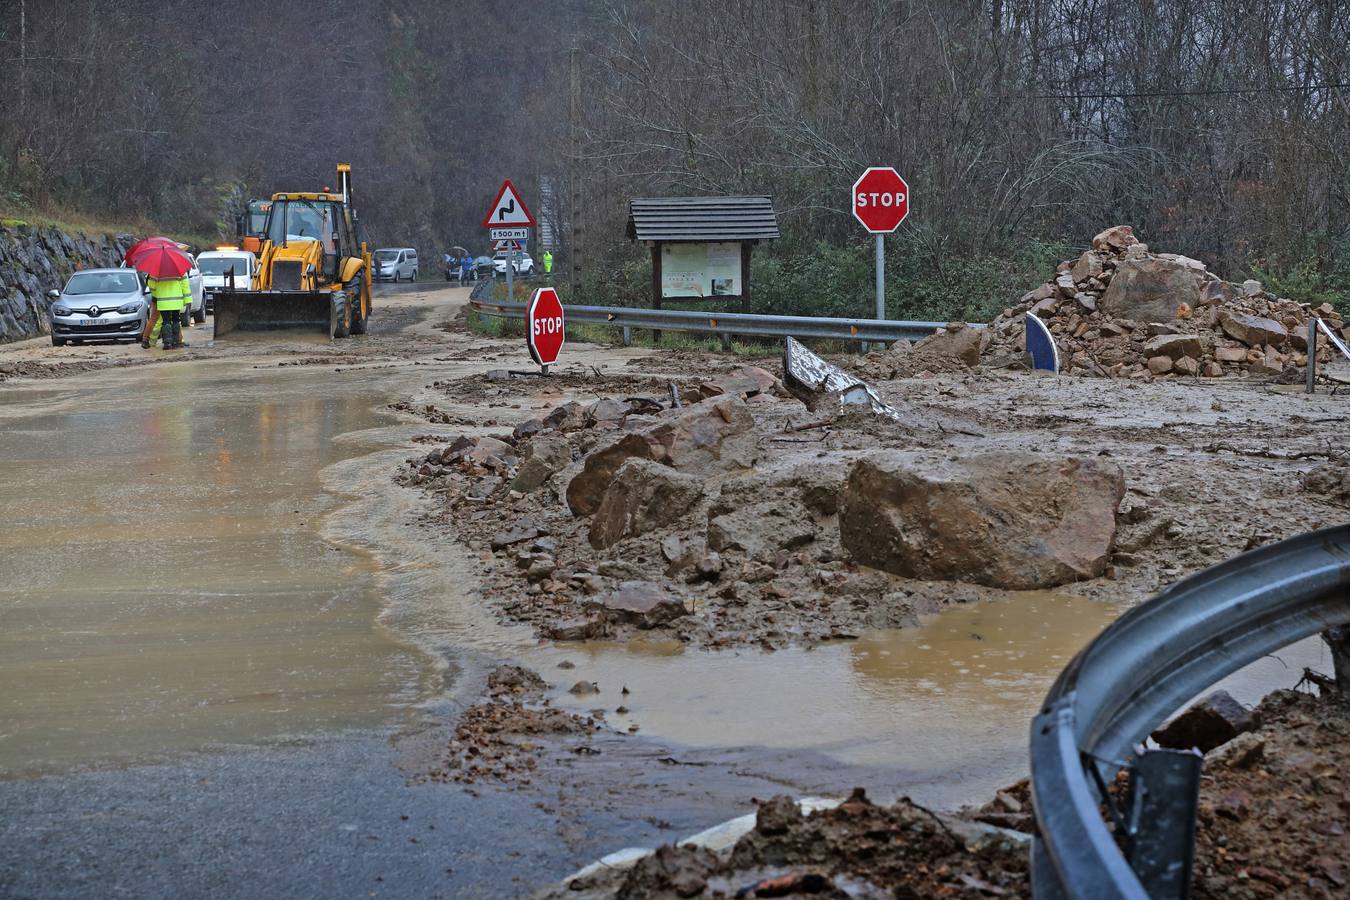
(642, 496)
(1254, 331)
(545, 455)
(641, 603)
(587, 488)
(1008, 520)
(1173, 346)
(1151, 289)
(781, 508)
(1213, 721)
(715, 434)
(1116, 238)
(747, 381)
(956, 343)
(1089, 265)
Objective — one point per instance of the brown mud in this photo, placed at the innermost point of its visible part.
(1210, 471)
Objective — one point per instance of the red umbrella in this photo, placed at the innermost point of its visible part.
(146, 243)
(159, 261)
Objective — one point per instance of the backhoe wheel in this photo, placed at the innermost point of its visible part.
(340, 315)
(359, 321)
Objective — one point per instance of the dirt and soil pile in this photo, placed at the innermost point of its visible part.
(503, 738)
(1120, 310)
(728, 519)
(858, 849)
(1274, 817)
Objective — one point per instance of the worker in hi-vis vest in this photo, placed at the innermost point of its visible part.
(170, 295)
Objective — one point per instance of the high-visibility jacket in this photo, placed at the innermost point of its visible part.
(548, 261)
(171, 294)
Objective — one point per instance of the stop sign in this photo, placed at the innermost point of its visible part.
(880, 199)
(544, 326)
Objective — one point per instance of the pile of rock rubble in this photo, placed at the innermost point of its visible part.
(1120, 310)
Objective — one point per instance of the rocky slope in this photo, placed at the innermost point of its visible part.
(1121, 310)
(35, 260)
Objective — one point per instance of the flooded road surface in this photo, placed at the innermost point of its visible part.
(163, 583)
(214, 553)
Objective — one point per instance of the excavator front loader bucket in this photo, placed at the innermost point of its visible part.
(266, 310)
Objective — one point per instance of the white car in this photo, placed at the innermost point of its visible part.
(215, 266)
(394, 264)
(522, 265)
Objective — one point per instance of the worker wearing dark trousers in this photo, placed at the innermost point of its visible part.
(170, 295)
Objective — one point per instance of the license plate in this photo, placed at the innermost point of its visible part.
(93, 321)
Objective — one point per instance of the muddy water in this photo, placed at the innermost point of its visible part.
(947, 704)
(163, 582)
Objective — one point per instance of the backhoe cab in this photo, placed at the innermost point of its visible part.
(313, 272)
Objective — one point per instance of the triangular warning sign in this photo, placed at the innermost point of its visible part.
(508, 209)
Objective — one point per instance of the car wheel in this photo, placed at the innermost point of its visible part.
(58, 341)
(199, 314)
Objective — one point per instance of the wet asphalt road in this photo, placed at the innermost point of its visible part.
(336, 817)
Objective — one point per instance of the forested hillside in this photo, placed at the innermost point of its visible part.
(1217, 128)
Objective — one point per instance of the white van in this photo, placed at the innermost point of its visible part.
(216, 266)
(395, 264)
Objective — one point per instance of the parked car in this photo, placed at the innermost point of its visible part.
(483, 265)
(395, 264)
(523, 264)
(198, 305)
(216, 265)
(99, 305)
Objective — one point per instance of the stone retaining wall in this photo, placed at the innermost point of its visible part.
(35, 260)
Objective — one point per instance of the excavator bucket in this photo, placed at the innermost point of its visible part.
(267, 310)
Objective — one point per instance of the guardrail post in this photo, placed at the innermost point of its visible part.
(627, 335)
(1311, 386)
(1164, 793)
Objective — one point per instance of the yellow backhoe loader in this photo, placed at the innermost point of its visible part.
(313, 271)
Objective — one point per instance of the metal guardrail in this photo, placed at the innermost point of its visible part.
(1146, 665)
(728, 323)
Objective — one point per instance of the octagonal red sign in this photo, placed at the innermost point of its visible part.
(880, 199)
(544, 326)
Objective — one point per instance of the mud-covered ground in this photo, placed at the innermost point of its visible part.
(1211, 469)
(1274, 816)
(1272, 822)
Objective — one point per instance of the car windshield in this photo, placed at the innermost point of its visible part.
(386, 255)
(102, 283)
(218, 265)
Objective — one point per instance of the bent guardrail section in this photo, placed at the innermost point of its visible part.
(728, 323)
(1149, 662)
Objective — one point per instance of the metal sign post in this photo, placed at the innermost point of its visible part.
(881, 277)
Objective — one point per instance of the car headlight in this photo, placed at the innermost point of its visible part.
(128, 309)
(61, 310)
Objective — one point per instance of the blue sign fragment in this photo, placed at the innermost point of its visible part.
(1041, 345)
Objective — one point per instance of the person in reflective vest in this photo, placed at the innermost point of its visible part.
(548, 262)
(170, 296)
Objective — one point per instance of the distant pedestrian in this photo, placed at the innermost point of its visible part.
(548, 262)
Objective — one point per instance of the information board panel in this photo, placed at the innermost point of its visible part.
(701, 270)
